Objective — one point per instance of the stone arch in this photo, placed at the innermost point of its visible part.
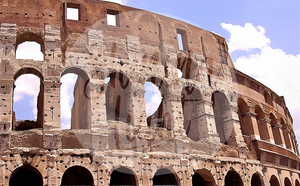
(203, 177)
(164, 176)
(268, 97)
(222, 114)
(162, 117)
(232, 178)
(81, 109)
(245, 123)
(39, 123)
(262, 125)
(119, 98)
(77, 175)
(286, 134)
(287, 182)
(31, 37)
(123, 176)
(257, 180)
(274, 181)
(276, 127)
(187, 66)
(297, 183)
(26, 175)
(192, 102)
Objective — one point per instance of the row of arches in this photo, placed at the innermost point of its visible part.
(260, 125)
(119, 107)
(118, 98)
(78, 175)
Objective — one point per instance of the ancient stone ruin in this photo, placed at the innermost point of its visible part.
(214, 125)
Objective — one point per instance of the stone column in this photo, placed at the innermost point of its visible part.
(6, 105)
(265, 130)
(278, 135)
(8, 39)
(2, 173)
(98, 105)
(139, 105)
(51, 105)
(206, 122)
(287, 138)
(231, 124)
(172, 112)
(249, 120)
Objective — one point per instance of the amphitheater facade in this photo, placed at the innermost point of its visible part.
(214, 125)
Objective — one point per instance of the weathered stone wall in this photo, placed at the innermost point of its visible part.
(215, 125)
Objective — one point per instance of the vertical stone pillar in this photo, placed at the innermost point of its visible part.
(51, 105)
(249, 121)
(7, 40)
(52, 49)
(6, 105)
(2, 172)
(278, 135)
(173, 113)
(287, 138)
(265, 129)
(139, 105)
(231, 124)
(98, 105)
(207, 128)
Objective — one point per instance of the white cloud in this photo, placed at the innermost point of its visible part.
(246, 38)
(27, 84)
(67, 98)
(179, 73)
(155, 100)
(33, 103)
(29, 50)
(272, 67)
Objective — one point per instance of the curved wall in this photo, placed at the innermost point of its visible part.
(214, 126)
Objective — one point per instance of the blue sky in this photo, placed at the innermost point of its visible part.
(263, 38)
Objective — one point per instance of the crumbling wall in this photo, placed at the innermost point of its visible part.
(110, 118)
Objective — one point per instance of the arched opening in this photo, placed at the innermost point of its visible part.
(245, 122)
(187, 66)
(268, 98)
(28, 100)
(286, 134)
(256, 180)
(75, 100)
(26, 176)
(153, 98)
(222, 114)
(287, 182)
(191, 106)
(30, 46)
(122, 176)
(275, 129)
(262, 126)
(232, 178)
(164, 177)
(118, 98)
(77, 175)
(161, 117)
(274, 181)
(203, 177)
(297, 183)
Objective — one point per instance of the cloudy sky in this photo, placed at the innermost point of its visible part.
(263, 38)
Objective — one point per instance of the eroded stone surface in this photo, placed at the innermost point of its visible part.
(214, 126)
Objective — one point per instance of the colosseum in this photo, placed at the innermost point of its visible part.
(214, 126)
